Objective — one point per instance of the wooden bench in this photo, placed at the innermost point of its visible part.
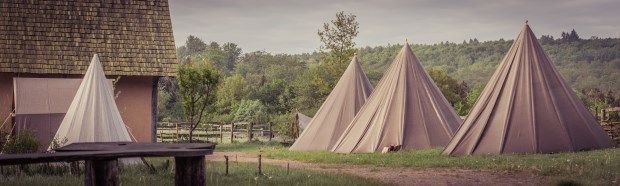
(102, 159)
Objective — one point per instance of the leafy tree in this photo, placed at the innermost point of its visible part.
(232, 53)
(453, 91)
(231, 92)
(197, 88)
(193, 46)
(546, 40)
(251, 111)
(570, 37)
(338, 45)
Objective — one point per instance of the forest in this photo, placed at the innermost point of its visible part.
(261, 86)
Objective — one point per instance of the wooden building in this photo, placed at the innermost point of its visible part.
(57, 39)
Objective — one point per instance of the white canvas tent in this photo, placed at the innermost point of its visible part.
(93, 115)
(345, 100)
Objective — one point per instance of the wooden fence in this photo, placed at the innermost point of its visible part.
(177, 132)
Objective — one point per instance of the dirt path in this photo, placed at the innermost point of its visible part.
(402, 175)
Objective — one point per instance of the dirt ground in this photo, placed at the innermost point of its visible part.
(401, 175)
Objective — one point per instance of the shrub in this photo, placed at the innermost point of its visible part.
(23, 142)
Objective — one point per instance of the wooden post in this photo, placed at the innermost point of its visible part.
(101, 172)
(221, 133)
(154, 91)
(270, 132)
(226, 157)
(288, 168)
(207, 131)
(260, 170)
(603, 115)
(189, 171)
(232, 132)
(176, 125)
(250, 131)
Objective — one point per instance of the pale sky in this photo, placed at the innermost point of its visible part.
(290, 26)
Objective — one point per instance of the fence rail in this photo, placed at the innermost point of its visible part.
(177, 132)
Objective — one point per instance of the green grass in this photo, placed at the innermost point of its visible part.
(599, 167)
(241, 174)
(253, 147)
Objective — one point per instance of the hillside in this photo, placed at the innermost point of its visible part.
(278, 84)
(584, 64)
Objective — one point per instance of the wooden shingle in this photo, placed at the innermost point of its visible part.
(59, 37)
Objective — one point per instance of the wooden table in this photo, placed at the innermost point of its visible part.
(102, 159)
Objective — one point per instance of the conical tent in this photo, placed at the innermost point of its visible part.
(406, 108)
(347, 97)
(93, 115)
(527, 108)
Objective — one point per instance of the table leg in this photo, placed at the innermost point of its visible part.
(190, 171)
(101, 172)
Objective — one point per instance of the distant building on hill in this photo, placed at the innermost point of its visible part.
(57, 38)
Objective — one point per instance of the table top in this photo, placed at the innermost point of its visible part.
(110, 150)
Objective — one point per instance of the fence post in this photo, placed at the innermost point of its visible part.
(207, 131)
(270, 132)
(260, 171)
(221, 133)
(176, 125)
(232, 132)
(226, 157)
(250, 134)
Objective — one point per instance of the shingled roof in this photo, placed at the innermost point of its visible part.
(131, 37)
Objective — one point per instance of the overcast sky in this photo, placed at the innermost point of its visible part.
(281, 26)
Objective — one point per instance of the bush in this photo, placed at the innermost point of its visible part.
(24, 142)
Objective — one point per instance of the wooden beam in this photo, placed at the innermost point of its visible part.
(154, 95)
(232, 132)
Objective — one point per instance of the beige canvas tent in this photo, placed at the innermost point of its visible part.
(93, 115)
(527, 108)
(406, 108)
(345, 100)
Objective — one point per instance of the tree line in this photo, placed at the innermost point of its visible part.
(260, 86)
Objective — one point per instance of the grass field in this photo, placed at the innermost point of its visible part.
(599, 167)
(241, 174)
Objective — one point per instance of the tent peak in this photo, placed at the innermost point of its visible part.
(526, 21)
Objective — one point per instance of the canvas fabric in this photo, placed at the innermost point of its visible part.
(406, 109)
(527, 108)
(345, 100)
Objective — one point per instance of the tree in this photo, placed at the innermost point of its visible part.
(232, 55)
(197, 88)
(232, 90)
(251, 111)
(338, 45)
(570, 37)
(546, 39)
(193, 46)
